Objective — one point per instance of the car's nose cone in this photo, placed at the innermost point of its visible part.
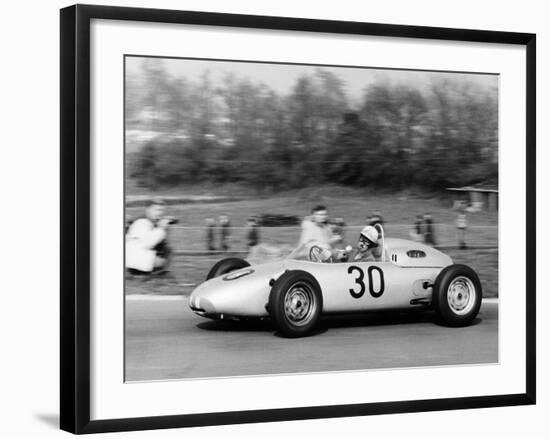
(243, 292)
(201, 305)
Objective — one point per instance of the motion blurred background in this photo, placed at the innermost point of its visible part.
(247, 139)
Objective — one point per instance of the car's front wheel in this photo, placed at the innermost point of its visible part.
(457, 295)
(295, 303)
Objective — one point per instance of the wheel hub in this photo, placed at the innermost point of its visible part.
(461, 295)
(298, 303)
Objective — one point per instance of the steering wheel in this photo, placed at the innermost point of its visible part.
(316, 254)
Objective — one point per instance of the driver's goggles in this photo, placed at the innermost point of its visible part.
(365, 240)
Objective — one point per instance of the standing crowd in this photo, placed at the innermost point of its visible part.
(224, 228)
(423, 230)
(321, 238)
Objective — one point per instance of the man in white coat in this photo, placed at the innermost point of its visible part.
(316, 231)
(146, 246)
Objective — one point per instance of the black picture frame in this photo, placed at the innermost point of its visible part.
(75, 217)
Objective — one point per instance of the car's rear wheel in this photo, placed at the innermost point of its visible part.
(226, 266)
(457, 295)
(295, 303)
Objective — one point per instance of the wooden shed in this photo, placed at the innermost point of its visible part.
(477, 197)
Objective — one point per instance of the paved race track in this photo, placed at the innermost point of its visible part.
(165, 340)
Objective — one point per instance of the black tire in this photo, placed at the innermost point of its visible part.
(461, 306)
(225, 266)
(301, 290)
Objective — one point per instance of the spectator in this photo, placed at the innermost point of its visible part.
(147, 248)
(315, 228)
(225, 226)
(375, 218)
(252, 232)
(317, 231)
(210, 231)
(416, 229)
(461, 226)
(338, 226)
(429, 235)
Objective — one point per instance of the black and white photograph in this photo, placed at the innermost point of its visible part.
(275, 219)
(297, 218)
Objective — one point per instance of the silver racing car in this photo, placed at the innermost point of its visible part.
(294, 292)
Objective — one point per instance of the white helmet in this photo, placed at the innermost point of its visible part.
(370, 234)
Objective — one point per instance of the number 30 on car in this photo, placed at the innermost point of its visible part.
(360, 280)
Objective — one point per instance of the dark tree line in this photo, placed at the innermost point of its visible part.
(435, 135)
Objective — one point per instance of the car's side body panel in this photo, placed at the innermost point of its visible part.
(362, 286)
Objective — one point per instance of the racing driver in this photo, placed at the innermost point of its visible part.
(368, 248)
